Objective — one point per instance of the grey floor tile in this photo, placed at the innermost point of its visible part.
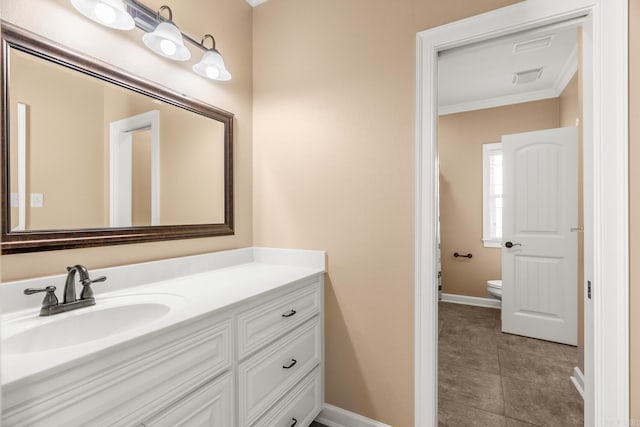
(451, 414)
(468, 353)
(489, 378)
(571, 354)
(479, 333)
(534, 368)
(531, 345)
(516, 423)
(471, 387)
(542, 406)
(452, 311)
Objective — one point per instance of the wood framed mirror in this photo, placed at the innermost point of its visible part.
(93, 156)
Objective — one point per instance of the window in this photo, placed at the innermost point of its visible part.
(492, 199)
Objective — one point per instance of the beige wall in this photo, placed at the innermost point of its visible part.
(334, 109)
(231, 23)
(460, 140)
(634, 201)
(64, 113)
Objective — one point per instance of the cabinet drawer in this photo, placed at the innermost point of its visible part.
(299, 407)
(267, 376)
(264, 323)
(210, 405)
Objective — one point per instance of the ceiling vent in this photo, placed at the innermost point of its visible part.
(528, 76)
(531, 45)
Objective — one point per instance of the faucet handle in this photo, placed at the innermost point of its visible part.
(30, 291)
(87, 292)
(50, 298)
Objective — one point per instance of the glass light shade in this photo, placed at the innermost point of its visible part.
(110, 13)
(166, 40)
(211, 66)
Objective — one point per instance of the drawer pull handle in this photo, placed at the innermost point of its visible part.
(294, 422)
(293, 362)
(289, 314)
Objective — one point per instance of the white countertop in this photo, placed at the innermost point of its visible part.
(248, 273)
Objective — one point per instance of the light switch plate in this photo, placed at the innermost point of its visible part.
(14, 200)
(37, 200)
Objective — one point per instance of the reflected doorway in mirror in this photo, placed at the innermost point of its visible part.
(121, 136)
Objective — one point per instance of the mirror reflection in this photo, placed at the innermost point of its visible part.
(86, 153)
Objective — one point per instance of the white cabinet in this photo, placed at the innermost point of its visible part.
(265, 321)
(278, 367)
(125, 385)
(210, 405)
(270, 374)
(257, 362)
(299, 407)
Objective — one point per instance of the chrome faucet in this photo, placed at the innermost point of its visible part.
(50, 304)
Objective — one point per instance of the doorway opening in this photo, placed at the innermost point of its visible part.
(509, 224)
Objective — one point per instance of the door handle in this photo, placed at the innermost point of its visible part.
(511, 244)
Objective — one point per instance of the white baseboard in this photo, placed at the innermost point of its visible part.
(480, 302)
(332, 416)
(578, 381)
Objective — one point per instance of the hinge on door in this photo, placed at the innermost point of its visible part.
(589, 289)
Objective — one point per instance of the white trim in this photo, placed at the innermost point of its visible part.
(120, 158)
(22, 167)
(605, 135)
(254, 3)
(332, 416)
(569, 69)
(498, 101)
(487, 150)
(578, 380)
(476, 301)
(491, 243)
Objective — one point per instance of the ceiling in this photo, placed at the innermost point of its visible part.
(481, 75)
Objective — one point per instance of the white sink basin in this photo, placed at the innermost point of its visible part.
(109, 317)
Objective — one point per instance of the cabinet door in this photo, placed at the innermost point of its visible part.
(209, 406)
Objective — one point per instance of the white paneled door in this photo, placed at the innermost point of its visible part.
(540, 221)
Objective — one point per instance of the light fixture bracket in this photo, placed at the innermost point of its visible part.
(148, 19)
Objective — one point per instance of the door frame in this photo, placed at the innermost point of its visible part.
(606, 191)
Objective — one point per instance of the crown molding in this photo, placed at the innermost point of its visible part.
(569, 69)
(499, 101)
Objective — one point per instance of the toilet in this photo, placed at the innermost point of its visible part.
(494, 287)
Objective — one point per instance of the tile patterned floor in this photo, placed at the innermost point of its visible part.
(488, 378)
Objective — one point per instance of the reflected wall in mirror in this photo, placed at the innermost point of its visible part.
(95, 156)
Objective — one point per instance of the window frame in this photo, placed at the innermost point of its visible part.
(487, 240)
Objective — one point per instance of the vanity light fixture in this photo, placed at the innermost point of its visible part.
(110, 13)
(211, 66)
(166, 39)
(162, 35)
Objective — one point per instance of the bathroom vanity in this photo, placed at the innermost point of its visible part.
(232, 338)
